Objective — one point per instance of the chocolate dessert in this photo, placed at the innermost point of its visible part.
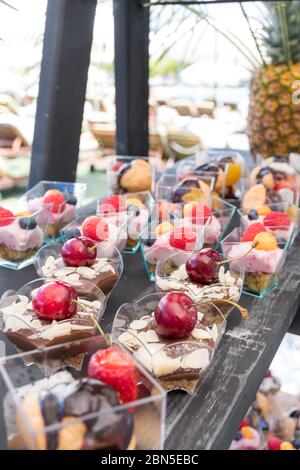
(67, 404)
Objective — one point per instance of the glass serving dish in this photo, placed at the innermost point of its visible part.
(135, 211)
(102, 424)
(21, 236)
(105, 272)
(171, 275)
(66, 198)
(115, 238)
(128, 174)
(283, 225)
(262, 267)
(155, 241)
(23, 328)
(176, 364)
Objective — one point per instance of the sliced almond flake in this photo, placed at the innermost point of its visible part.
(73, 277)
(16, 309)
(65, 270)
(200, 316)
(86, 272)
(198, 359)
(164, 365)
(145, 358)
(138, 324)
(128, 340)
(149, 336)
(222, 274)
(200, 333)
(214, 332)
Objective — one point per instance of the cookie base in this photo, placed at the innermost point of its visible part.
(10, 254)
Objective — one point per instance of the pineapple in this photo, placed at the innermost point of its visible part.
(273, 118)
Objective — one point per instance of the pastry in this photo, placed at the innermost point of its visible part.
(130, 176)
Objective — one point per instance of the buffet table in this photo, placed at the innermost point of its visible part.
(209, 418)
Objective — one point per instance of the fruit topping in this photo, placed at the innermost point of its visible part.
(286, 446)
(265, 241)
(233, 173)
(263, 210)
(115, 367)
(71, 233)
(27, 223)
(238, 436)
(56, 199)
(183, 238)
(6, 217)
(247, 432)
(277, 219)
(244, 422)
(202, 266)
(282, 184)
(252, 231)
(175, 316)
(274, 443)
(54, 301)
(252, 214)
(256, 196)
(79, 251)
(117, 166)
(198, 212)
(112, 204)
(162, 228)
(183, 187)
(96, 228)
(71, 199)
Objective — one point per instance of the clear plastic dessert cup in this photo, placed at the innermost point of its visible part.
(136, 209)
(115, 238)
(284, 228)
(105, 272)
(262, 266)
(176, 364)
(128, 174)
(21, 236)
(62, 210)
(96, 423)
(171, 275)
(24, 329)
(156, 245)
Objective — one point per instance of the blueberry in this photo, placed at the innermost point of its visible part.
(71, 233)
(296, 443)
(133, 209)
(28, 223)
(295, 414)
(252, 214)
(263, 425)
(238, 436)
(149, 242)
(71, 199)
(281, 241)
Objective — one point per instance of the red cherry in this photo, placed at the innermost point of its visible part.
(274, 443)
(115, 368)
(175, 316)
(183, 238)
(79, 251)
(55, 301)
(202, 266)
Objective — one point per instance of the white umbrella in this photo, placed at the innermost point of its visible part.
(214, 73)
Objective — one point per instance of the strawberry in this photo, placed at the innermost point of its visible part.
(283, 185)
(183, 238)
(95, 228)
(198, 212)
(112, 204)
(274, 443)
(56, 199)
(117, 166)
(115, 367)
(6, 217)
(277, 219)
(252, 231)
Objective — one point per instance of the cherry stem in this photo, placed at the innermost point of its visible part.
(254, 245)
(93, 319)
(243, 311)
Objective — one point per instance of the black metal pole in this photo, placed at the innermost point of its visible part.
(131, 77)
(66, 56)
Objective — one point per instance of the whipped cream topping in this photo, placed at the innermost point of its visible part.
(56, 268)
(19, 316)
(229, 287)
(66, 215)
(17, 238)
(212, 231)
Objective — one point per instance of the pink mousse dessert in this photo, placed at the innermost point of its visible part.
(20, 235)
(278, 223)
(247, 438)
(199, 213)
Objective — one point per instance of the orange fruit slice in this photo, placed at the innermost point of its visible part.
(266, 241)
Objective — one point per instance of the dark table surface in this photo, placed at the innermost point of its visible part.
(209, 418)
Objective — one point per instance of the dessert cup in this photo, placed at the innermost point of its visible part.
(61, 212)
(171, 275)
(95, 423)
(135, 212)
(105, 272)
(116, 238)
(262, 267)
(183, 189)
(21, 236)
(27, 331)
(176, 364)
(156, 247)
(284, 231)
(131, 174)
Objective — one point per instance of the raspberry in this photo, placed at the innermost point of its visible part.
(199, 213)
(274, 443)
(244, 423)
(282, 185)
(56, 199)
(95, 228)
(115, 368)
(112, 204)
(252, 231)
(6, 217)
(183, 238)
(277, 219)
